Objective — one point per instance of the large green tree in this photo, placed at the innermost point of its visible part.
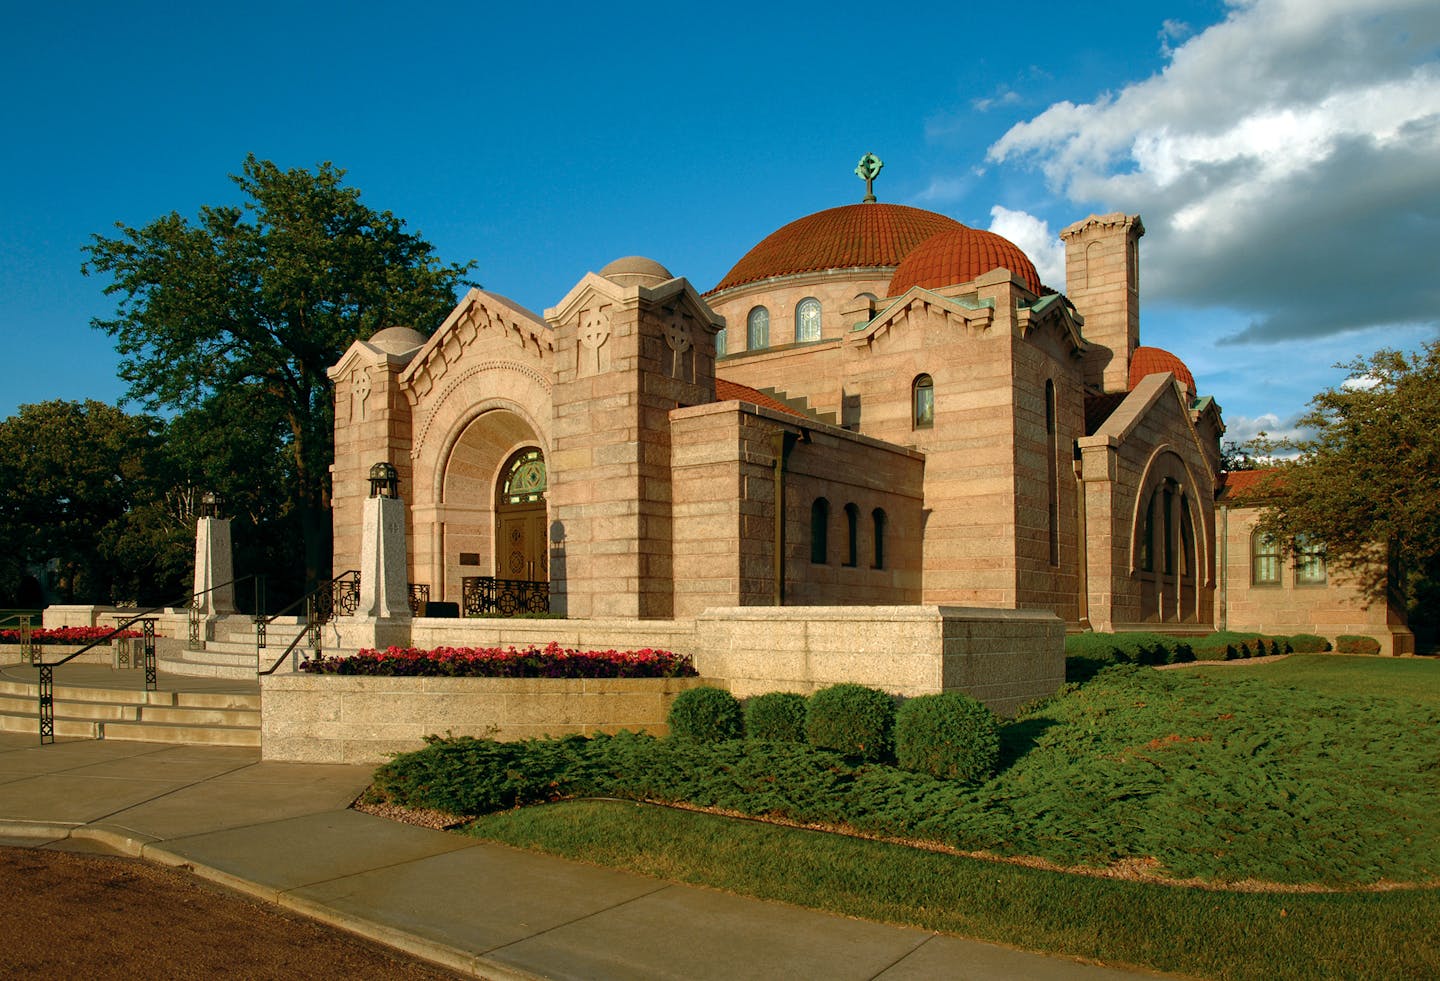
(244, 308)
(87, 493)
(1366, 481)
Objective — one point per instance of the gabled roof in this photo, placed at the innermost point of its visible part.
(1098, 409)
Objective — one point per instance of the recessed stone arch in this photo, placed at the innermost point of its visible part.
(1169, 540)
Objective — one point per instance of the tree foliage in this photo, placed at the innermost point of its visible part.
(238, 314)
(1366, 482)
(87, 493)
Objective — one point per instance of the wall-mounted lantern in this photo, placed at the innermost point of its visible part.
(210, 504)
(384, 480)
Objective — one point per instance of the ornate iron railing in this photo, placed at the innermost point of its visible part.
(419, 596)
(486, 594)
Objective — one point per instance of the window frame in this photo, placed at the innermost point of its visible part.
(922, 417)
(1270, 556)
(757, 328)
(808, 302)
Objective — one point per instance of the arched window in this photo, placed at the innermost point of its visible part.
(1052, 476)
(878, 518)
(1264, 560)
(720, 343)
(923, 402)
(757, 329)
(524, 478)
(1309, 562)
(852, 526)
(820, 531)
(1168, 546)
(807, 320)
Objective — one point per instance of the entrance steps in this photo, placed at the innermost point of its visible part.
(230, 653)
(211, 718)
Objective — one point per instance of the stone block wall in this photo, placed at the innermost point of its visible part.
(335, 719)
(1330, 609)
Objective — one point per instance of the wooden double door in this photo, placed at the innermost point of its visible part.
(521, 543)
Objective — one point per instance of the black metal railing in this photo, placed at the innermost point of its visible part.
(27, 641)
(334, 597)
(196, 642)
(486, 594)
(46, 708)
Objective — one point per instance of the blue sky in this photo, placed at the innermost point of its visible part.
(1283, 153)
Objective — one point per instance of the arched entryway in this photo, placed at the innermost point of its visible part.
(491, 522)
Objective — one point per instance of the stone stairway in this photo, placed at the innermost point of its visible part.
(230, 653)
(93, 707)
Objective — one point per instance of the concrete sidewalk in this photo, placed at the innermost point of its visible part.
(284, 832)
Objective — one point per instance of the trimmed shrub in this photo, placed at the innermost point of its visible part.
(950, 736)
(1356, 644)
(706, 715)
(1088, 652)
(1308, 644)
(851, 719)
(776, 717)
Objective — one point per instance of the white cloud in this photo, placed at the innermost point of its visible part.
(1284, 160)
(1240, 430)
(1035, 239)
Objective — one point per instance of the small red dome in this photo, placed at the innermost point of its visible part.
(958, 255)
(849, 237)
(1156, 361)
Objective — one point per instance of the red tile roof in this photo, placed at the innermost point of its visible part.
(727, 391)
(958, 255)
(852, 236)
(1155, 361)
(1245, 483)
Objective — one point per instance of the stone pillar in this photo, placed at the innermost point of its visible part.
(384, 588)
(214, 567)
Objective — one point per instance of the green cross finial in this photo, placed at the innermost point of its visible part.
(868, 170)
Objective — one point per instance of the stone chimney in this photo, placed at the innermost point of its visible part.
(1102, 279)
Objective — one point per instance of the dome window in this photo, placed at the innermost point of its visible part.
(757, 329)
(807, 320)
(720, 343)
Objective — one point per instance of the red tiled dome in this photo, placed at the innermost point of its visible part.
(852, 236)
(1155, 361)
(958, 255)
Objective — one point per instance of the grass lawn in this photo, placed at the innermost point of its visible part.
(1408, 678)
(1316, 778)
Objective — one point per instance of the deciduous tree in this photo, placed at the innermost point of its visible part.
(1366, 483)
(248, 305)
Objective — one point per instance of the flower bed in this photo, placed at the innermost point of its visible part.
(65, 635)
(552, 661)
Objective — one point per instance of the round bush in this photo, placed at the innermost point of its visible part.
(951, 736)
(706, 715)
(851, 719)
(777, 717)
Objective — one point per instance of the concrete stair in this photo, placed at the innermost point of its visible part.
(231, 653)
(205, 718)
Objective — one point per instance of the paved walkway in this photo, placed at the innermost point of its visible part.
(284, 832)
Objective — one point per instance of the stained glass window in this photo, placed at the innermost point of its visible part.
(807, 320)
(525, 481)
(757, 329)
